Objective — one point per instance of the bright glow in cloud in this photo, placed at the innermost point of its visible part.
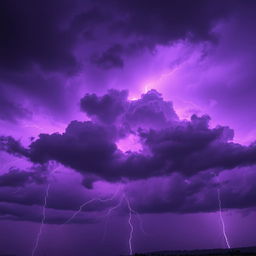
(130, 143)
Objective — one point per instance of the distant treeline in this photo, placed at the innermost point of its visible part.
(229, 253)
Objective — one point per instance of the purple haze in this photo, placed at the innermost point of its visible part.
(126, 126)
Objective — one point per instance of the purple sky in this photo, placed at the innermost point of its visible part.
(140, 111)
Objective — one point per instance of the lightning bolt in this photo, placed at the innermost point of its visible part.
(140, 221)
(42, 221)
(110, 210)
(222, 220)
(221, 217)
(130, 209)
(43, 215)
(89, 202)
(131, 226)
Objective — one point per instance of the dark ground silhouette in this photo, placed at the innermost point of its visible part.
(209, 252)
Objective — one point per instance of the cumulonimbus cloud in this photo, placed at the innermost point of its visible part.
(169, 144)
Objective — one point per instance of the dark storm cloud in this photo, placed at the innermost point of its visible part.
(43, 42)
(22, 198)
(12, 146)
(46, 91)
(176, 194)
(163, 22)
(196, 194)
(186, 147)
(142, 24)
(18, 178)
(16, 212)
(151, 110)
(192, 146)
(36, 48)
(242, 195)
(106, 108)
(87, 21)
(33, 192)
(32, 33)
(157, 195)
(11, 110)
(83, 146)
(45, 32)
(111, 58)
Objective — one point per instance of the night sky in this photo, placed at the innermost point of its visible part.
(127, 126)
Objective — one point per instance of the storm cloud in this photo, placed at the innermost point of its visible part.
(182, 146)
(108, 105)
(19, 178)
(39, 55)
